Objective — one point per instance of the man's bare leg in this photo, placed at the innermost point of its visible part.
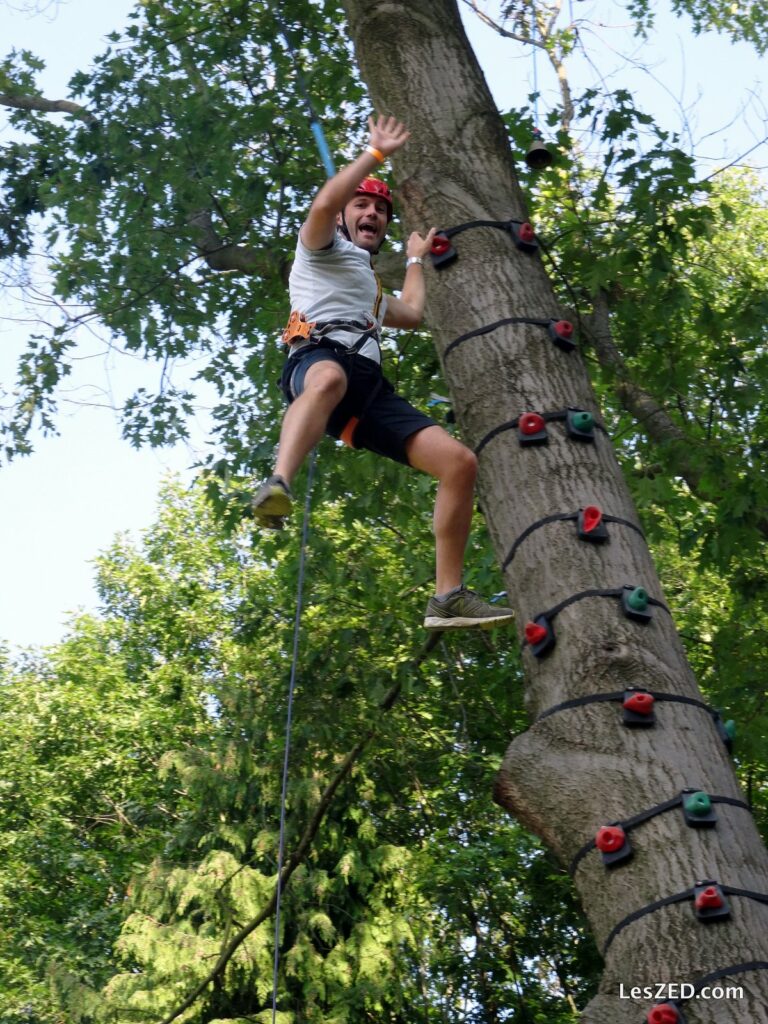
(455, 466)
(434, 451)
(304, 423)
(306, 418)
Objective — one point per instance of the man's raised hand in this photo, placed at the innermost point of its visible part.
(387, 134)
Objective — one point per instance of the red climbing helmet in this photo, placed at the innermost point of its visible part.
(376, 187)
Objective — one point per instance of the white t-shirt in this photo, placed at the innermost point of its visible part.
(338, 283)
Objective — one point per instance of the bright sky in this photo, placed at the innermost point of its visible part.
(63, 505)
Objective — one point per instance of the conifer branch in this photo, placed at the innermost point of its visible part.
(302, 847)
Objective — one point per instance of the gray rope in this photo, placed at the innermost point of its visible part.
(289, 722)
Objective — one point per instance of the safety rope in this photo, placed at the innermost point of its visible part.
(330, 170)
(289, 721)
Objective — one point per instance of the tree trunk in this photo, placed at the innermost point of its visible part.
(579, 768)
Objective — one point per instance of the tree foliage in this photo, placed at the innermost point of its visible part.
(141, 757)
(143, 762)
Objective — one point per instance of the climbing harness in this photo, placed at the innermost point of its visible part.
(299, 329)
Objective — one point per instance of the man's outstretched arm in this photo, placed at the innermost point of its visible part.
(408, 310)
(386, 135)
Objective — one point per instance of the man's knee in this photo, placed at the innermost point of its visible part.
(326, 383)
(465, 462)
(436, 452)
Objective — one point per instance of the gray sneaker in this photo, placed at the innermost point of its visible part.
(272, 503)
(463, 609)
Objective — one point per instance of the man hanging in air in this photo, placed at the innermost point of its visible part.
(333, 380)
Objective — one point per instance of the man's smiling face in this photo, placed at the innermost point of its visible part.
(366, 219)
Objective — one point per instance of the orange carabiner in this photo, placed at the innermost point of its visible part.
(298, 328)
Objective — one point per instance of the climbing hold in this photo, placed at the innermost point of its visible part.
(638, 708)
(698, 809)
(665, 1013)
(590, 525)
(561, 332)
(523, 236)
(637, 599)
(613, 844)
(580, 425)
(540, 636)
(710, 903)
(532, 429)
(442, 251)
(725, 730)
(610, 838)
(634, 602)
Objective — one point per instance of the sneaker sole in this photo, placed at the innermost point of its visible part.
(459, 622)
(271, 522)
(271, 512)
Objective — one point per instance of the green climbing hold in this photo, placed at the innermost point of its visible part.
(583, 421)
(698, 803)
(638, 599)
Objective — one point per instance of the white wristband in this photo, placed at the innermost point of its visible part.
(414, 259)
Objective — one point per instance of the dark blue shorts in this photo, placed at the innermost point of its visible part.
(385, 421)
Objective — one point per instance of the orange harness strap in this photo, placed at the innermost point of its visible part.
(348, 433)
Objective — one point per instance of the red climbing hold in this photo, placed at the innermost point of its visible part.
(442, 252)
(640, 703)
(524, 236)
(665, 1013)
(610, 838)
(527, 234)
(710, 898)
(531, 423)
(534, 633)
(561, 332)
(592, 517)
(440, 244)
(709, 902)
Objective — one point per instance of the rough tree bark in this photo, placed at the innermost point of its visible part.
(580, 768)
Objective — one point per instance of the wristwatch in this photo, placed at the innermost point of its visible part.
(414, 259)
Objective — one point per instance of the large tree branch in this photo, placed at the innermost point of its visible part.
(652, 417)
(39, 103)
(225, 256)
